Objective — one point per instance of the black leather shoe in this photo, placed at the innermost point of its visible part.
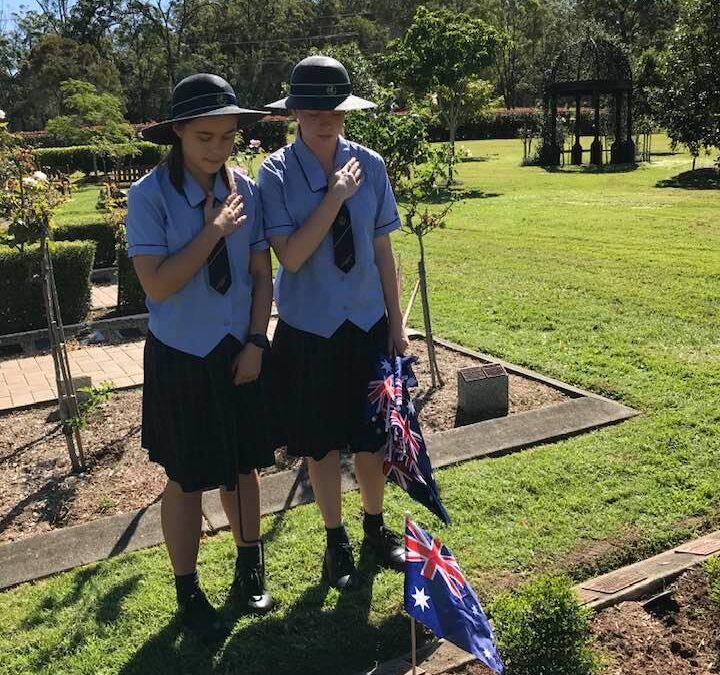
(248, 586)
(339, 569)
(198, 616)
(388, 547)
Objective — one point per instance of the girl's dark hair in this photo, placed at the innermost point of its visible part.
(174, 162)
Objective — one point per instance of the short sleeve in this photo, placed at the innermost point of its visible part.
(277, 220)
(145, 225)
(387, 218)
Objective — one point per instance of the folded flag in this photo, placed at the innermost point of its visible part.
(390, 410)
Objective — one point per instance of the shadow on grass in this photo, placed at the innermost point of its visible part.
(102, 614)
(442, 194)
(310, 638)
(700, 179)
(581, 170)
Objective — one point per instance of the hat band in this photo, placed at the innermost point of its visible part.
(203, 103)
(314, 89)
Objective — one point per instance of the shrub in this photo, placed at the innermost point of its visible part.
(712, 571)
(101, 233)
(21, 295)
(131, 296)
(542, 630)
(80, 158)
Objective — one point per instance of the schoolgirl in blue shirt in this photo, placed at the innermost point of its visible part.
(329, 209)
(195, 234)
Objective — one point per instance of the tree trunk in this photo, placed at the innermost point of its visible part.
(452, 124)
(436, 378)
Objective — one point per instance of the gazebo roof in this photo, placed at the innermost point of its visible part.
(587, 66)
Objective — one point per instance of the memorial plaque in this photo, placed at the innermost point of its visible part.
(700, 547)
(472, 373)
(615, 582)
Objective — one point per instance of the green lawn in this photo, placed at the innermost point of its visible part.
(603, 280)
(80, 209)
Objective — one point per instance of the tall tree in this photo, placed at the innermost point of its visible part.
(53, 60)
(441, 55)
(691, 97)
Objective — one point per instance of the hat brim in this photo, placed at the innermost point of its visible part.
(162, 133)
(345, 103)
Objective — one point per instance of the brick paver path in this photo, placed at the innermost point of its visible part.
(104, 296)
(29, 380)
(32, 379)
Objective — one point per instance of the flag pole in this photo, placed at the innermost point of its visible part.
(413, 636)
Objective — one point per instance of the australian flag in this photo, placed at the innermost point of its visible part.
(390, 410)
(438, 596)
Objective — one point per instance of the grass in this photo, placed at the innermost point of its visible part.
(604, 280)
(80, 209)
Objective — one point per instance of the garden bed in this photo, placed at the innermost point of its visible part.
(678, 633)
(38, 494)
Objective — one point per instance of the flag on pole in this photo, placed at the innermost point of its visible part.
(438, 596)
(390, 409)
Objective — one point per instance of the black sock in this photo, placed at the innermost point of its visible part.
(336, 535)
(373, 523)
(186, 585)
(248, 556)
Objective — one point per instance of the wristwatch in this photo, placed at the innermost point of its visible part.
(259, 340)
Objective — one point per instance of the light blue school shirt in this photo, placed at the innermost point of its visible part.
(162, 221)
(319, 297)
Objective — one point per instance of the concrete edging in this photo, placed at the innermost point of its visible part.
(64, 549)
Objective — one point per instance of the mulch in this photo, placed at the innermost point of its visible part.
(38, 492)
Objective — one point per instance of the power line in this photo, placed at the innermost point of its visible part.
(268, 42)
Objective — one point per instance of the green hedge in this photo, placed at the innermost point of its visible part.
(80, 158)
(102, 233)
(21, 301)
(131, 297)
(506, 123)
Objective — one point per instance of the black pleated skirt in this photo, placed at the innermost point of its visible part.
(197, 424)
(320, 388)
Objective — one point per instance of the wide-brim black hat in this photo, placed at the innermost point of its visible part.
(201, 95)
(320, 83)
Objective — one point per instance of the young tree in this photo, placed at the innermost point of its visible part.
(691, 96)
(93, 119)
(442, 55)
(415, 170)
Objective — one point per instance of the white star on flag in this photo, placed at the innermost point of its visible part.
(386, 366)
(488, 653)
(421, 600)
(475, 610)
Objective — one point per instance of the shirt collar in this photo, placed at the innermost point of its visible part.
(310, 164)
(195, 194)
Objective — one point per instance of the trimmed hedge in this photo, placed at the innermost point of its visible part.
(101, 233)
(80, 158)
(506, 123)
(131, 296)
(21, 301)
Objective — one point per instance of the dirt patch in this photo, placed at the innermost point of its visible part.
(680, 637)
(37, 492)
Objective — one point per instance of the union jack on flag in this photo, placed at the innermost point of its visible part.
(390, 411)
(438, 596)
(435, 558)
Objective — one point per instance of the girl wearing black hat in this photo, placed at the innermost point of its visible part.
(329, 208)
(194, 231)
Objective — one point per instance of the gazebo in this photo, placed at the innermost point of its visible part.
(589, 69)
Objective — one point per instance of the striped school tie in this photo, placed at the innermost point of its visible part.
(343, 244)
(218, 263)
